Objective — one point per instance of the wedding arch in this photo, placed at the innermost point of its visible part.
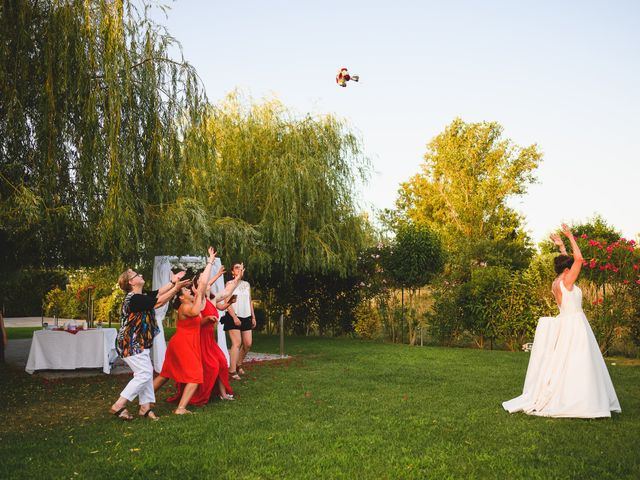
(162, 266)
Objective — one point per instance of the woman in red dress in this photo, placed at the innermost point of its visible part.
(214, 363)
(183, 360)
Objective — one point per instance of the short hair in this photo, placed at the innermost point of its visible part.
(123, 281)
(561, 262)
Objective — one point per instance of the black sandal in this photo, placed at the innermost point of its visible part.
(234, 375)
(155, 418)
(126, 417)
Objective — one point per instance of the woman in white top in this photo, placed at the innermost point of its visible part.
(239, 321)
(567, 376)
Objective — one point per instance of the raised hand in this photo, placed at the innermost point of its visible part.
(177, 276)
(566, 231)
(555, 238)
(180, 284)
(212, 254)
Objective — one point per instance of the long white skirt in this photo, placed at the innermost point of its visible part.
(566, 376)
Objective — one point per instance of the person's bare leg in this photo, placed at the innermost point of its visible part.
(158, 382)
(146, 407)
(187, 393)
(223, 391)
(120, 403)
(247, 342)
(234, 351)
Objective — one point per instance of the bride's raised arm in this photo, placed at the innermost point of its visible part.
(571, 277)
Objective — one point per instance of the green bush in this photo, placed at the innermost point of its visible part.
(71, 302)
(480, 301)
(368, 322)
(445, 321)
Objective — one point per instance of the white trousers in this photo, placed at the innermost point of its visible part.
(141, 385)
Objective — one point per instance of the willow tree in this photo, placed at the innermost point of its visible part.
(280, 194)
(281, 189)
(92, 112)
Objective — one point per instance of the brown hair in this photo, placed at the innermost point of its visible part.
(123, 281)
(561, 262)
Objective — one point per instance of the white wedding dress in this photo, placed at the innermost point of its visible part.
(567, 376)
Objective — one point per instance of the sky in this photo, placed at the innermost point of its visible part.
(564, 75)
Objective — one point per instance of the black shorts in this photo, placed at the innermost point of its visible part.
(245, 323)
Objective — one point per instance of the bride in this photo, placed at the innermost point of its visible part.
(567, 376)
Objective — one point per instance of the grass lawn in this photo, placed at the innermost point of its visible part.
(340, 408)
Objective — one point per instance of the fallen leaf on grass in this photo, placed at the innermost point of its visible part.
(134, 449)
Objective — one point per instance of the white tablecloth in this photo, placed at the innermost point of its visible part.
(57, 350)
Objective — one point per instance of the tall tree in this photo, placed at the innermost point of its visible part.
(469, 173)
(92, 109)
(282, 192)
(416, 256)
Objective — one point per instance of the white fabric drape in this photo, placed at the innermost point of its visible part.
(215, 288)
(161, 276)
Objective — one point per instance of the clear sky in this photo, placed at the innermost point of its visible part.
(562, 74)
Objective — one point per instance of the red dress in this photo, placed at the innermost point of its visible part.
(214, 363)
(183, 360)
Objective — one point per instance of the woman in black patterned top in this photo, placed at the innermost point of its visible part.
(135, 338)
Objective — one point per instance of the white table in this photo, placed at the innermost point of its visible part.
(58, 350)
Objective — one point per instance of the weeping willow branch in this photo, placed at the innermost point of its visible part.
(91, 120)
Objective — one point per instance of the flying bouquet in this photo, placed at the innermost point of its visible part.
(344, 76)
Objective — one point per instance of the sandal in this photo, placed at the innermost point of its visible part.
(240, 370)
(150, 414)
(226, 396)
(234, 376)
(122, 414)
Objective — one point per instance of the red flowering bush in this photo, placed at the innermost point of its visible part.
(617, 262)
(613, 269)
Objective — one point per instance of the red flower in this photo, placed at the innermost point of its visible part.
(626, 282)
(584, 235)
(635, 267)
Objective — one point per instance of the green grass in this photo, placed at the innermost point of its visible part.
(340, 408)
(14, 333)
